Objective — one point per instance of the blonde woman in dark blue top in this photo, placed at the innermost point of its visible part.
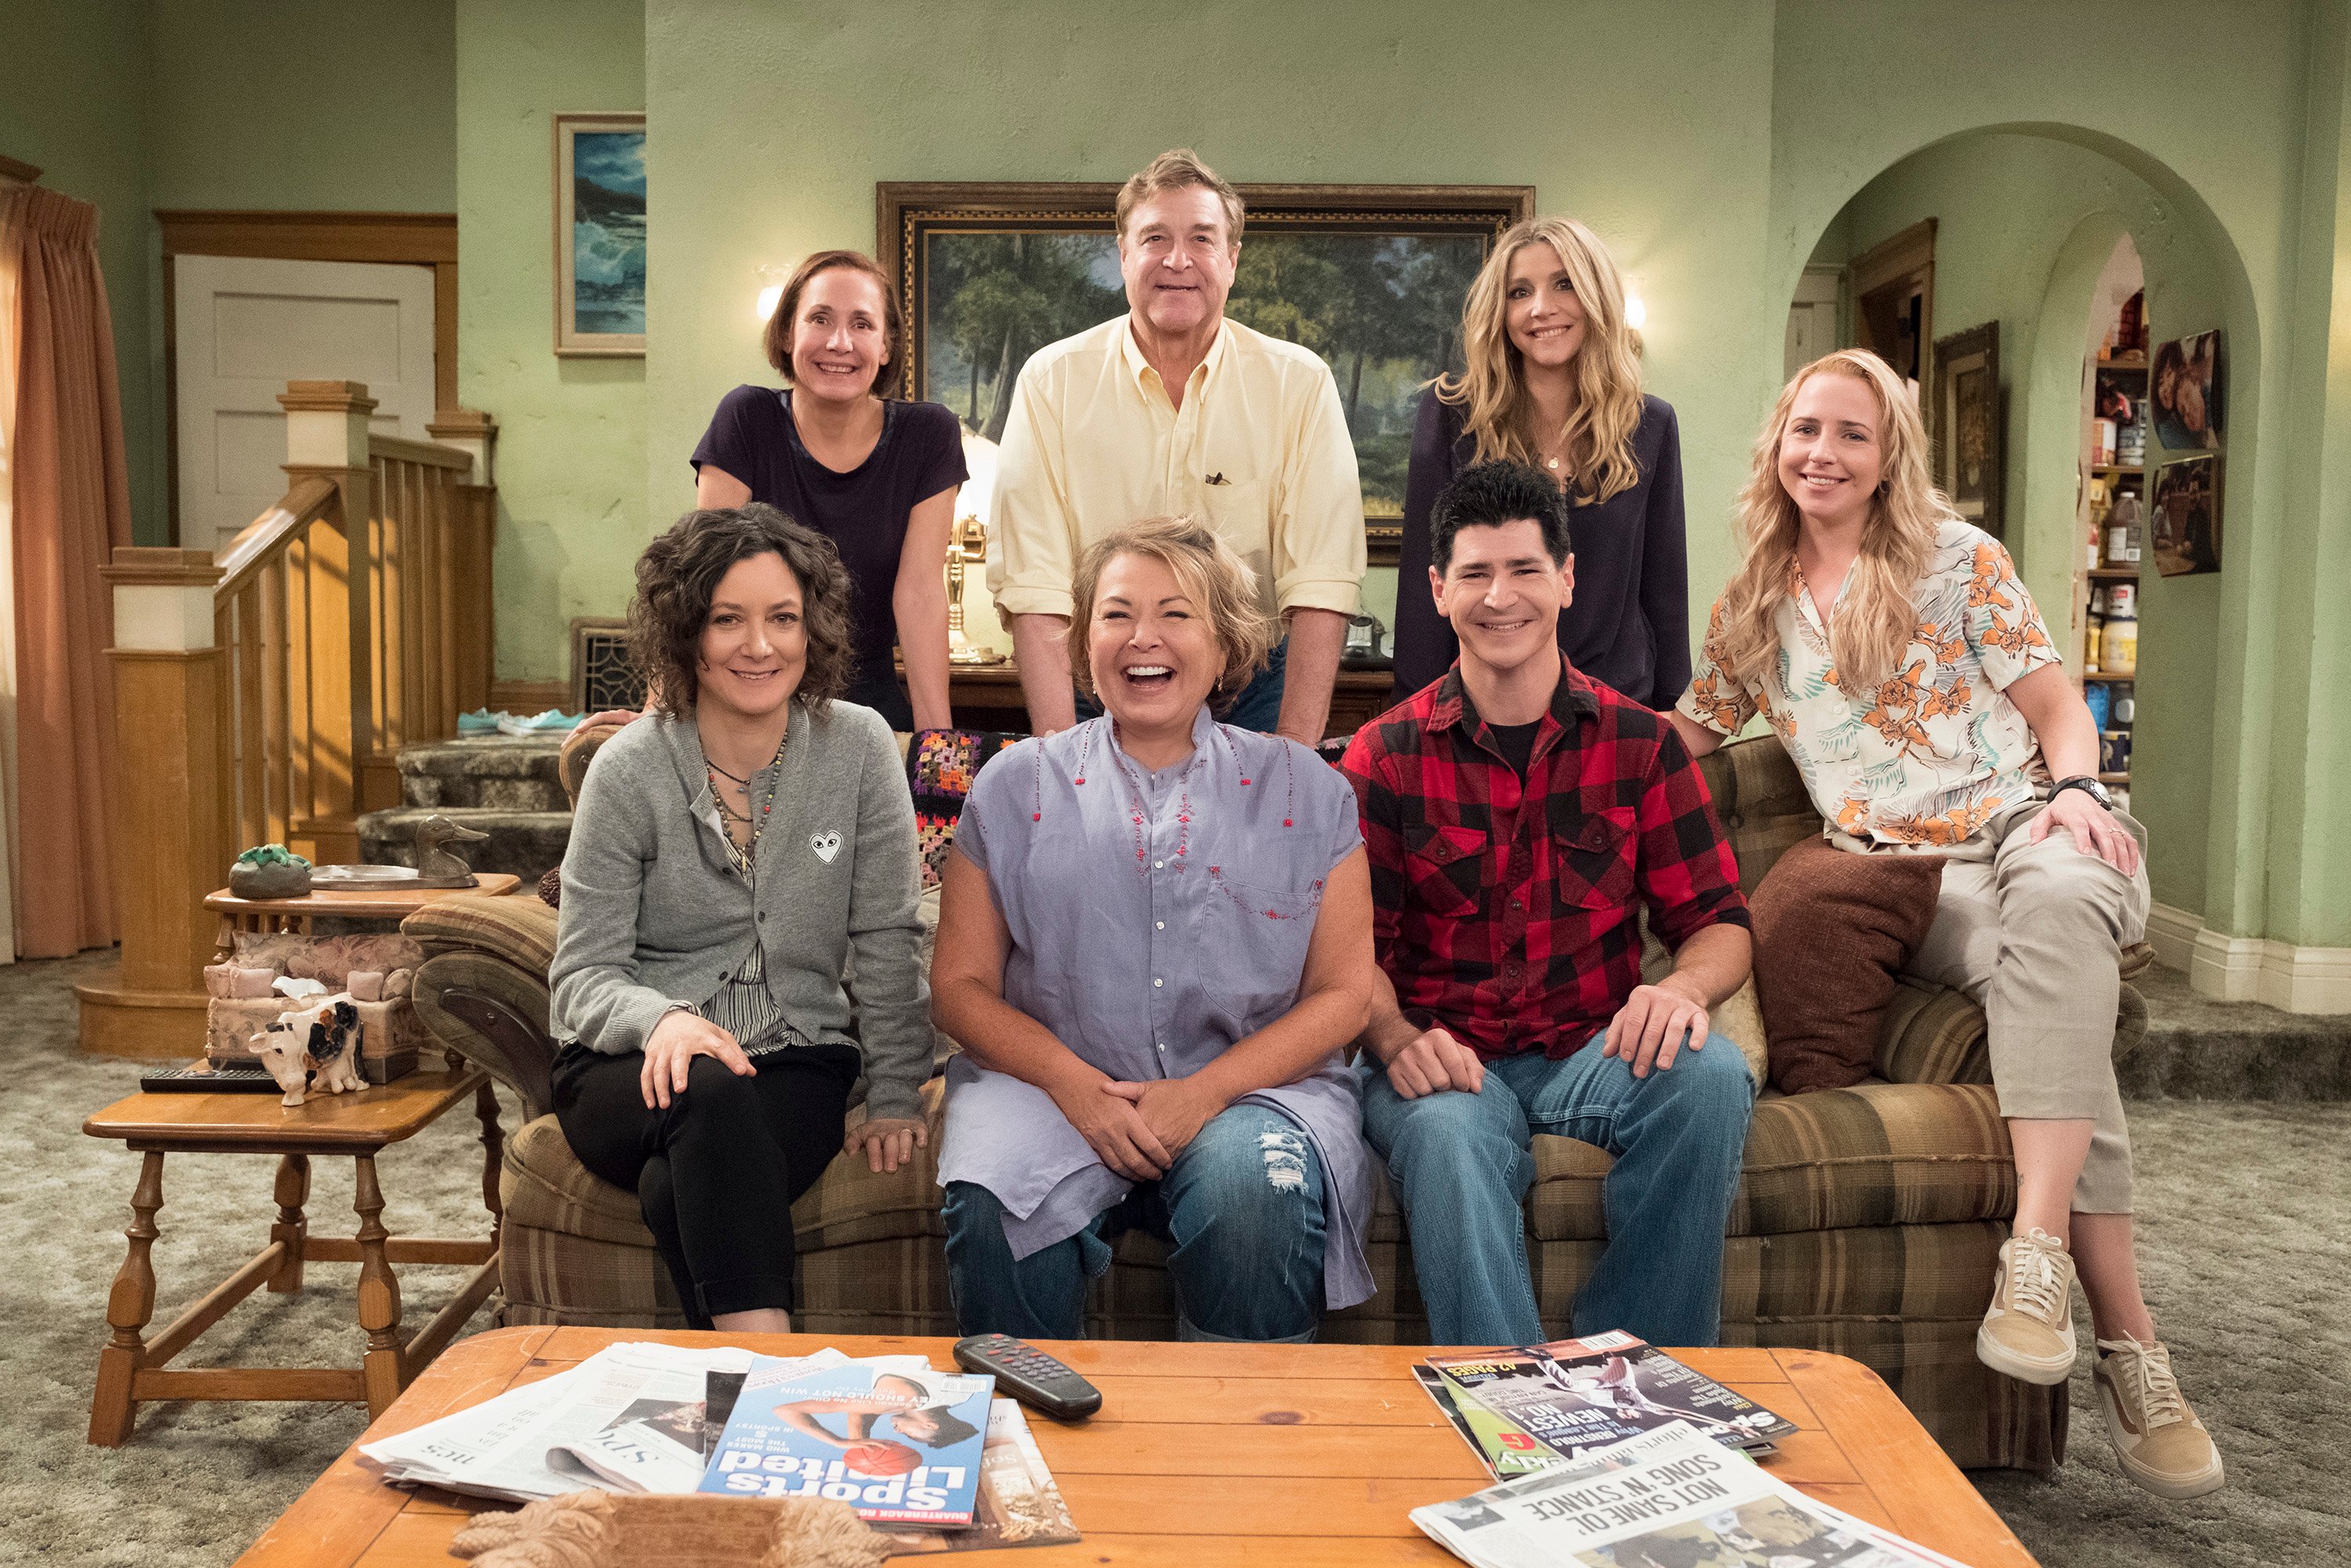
(1552, 379)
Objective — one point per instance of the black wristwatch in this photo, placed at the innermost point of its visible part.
(2087, 786)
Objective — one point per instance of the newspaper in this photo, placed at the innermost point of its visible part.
(1020, 1505)
(629, 1418)
(1671, 1495)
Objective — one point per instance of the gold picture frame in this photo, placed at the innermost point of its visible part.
(600, 235)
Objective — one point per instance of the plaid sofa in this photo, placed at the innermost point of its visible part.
(1867, 1220)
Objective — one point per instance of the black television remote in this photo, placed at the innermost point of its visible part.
(1029, 1375)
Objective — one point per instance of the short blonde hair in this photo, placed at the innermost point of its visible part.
(1215, 578)
(1180, 169)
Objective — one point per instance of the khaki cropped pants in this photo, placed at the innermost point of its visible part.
(2033, 934)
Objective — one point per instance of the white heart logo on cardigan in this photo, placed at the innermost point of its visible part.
(826, 845)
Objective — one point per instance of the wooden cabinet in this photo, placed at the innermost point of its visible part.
(988, 696)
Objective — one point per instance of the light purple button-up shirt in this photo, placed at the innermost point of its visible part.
(1150, 947)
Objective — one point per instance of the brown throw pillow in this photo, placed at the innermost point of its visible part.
(1833, 930)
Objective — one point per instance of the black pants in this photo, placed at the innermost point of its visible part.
(886, 695)
(715, 1174)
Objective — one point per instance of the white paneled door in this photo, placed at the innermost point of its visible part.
(242, 328)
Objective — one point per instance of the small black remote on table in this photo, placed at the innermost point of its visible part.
(1029, 1375)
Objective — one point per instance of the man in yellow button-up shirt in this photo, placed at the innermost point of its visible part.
(1171, 408)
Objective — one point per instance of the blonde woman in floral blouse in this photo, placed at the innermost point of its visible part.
(1893, 649)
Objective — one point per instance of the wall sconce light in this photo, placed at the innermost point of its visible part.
(1637, 313)
(773, 276)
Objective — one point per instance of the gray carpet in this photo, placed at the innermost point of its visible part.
(2247, 1247)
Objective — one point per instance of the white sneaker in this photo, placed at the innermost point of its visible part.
(2028, 1332)
(2161, 1443)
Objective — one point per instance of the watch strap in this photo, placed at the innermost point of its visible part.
(2087, 786)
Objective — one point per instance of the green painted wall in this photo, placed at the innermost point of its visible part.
(2005, 206)
(571, 433)
(305, 104)
(74, 103)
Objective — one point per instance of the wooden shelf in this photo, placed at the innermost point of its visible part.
(2114, 777)
(2094, 675)
(2120, 470)
(2114, 573)
(2133, 362)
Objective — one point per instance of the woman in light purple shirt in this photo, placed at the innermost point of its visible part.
(1154, 939)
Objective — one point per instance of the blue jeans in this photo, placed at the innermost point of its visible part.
(1243, 1204)
(1259, 708)
(1461, 1166)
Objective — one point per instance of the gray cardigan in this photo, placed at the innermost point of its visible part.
(654, 914)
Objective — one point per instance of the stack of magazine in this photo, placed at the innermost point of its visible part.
(1672, 1495)
(931, 1458)
(1542, 1405)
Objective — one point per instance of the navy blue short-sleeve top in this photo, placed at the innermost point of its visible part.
(863, 511)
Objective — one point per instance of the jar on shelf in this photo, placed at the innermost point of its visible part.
(2118, 645)
(2090, 648)
(2122, 530)
(2122, 599)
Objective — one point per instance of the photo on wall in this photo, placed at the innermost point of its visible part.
(2185, 384)
(2184, 529)
(600, 235)
(1969, 436)
(1371, 279)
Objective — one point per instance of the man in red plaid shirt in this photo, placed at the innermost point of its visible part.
(1515, 812)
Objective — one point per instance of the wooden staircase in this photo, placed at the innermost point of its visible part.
(264, 695)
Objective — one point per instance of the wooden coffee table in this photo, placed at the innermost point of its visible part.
(1288, 1456)
(134, 1368)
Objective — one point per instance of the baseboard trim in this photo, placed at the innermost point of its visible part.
(2252, 968)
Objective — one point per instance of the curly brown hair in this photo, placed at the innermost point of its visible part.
(679, 574)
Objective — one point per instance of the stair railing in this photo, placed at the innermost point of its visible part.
(263, 695)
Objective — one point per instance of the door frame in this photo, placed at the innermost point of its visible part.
(416, 239)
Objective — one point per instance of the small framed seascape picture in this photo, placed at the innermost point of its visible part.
(1970, 437)
(2184, 528)
(600, 235)
(1370, 278)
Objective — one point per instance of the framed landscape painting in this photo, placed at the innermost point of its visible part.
(600, 234)
(1371, 278)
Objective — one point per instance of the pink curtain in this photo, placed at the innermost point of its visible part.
(72, 493)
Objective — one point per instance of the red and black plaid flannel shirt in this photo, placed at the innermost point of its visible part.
(1504, 912)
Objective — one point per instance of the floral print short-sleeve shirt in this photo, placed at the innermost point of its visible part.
(1925, 759)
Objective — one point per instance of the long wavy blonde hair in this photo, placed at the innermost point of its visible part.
(1597, 445)
(1874, 625)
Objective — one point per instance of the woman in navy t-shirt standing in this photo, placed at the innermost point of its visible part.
(1552, 379)
(878, 477)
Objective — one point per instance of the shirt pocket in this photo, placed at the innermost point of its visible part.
(1592, 855)
(1445, 869)
(1252, 942)
(1237, 509)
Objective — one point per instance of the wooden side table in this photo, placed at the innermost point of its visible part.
(392, 904)
(134, 1368)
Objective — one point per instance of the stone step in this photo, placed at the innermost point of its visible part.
(2199, 1049)
(524, 842)
(497, 772)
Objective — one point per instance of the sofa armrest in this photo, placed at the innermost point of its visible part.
(518, 928)
(1933, 1034)
(493, 1015)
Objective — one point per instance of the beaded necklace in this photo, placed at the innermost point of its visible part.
(746, 857)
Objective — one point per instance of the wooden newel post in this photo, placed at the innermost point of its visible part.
(330, 602)
(473, 532)
(169, 715)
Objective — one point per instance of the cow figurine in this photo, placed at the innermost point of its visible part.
(313, 1048)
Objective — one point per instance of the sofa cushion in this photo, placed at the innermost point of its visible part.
(1833, 931)
(517, 927)
(1760, 798)
(1876, 1154)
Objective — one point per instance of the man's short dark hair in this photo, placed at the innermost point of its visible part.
(1489, 495)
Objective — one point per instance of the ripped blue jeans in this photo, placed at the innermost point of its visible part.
(1242, 1207)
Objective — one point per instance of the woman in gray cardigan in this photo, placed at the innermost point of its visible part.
(731, 851)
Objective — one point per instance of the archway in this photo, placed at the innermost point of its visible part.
(2023, 219)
